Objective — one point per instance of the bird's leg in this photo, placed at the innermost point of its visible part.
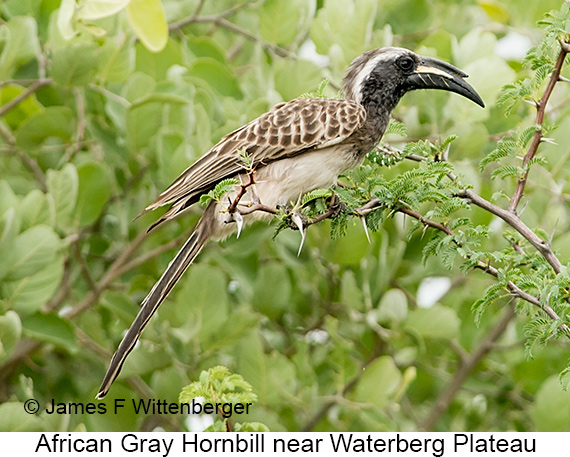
(234, 214)
(336, 206)
(242, 191)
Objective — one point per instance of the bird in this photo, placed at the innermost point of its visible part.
(294, 148)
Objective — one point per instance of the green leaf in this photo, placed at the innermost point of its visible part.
(50, 328)
(348, 19)
(157, 64)
(223, 187)
(75, 65)
(217, 75)
(33, 250)
(281, 21)
(65, 23)
(435, 322)
(145, 359)
(20, 36)
(10, 333)
(97, 9)
(143, 123)
(93, 192)
(379, 382)
(272, 290)
(13, 418)
(148, 21)
(251, 427)
(9, 228)
(63, 186)
(393, 307)
(27, 295)
(205, 46)
(36, 209)
(52, 122)
(351, 294)
(550, 412)
(23, 110)
(204, 295)
(495, 10)
(238, 325)
(295, 78)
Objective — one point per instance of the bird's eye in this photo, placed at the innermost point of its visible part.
(406, 63)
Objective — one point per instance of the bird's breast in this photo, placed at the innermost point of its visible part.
(283, 181)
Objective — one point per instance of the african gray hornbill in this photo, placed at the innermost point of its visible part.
(297, 146)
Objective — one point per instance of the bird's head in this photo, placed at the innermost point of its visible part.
(382, 76)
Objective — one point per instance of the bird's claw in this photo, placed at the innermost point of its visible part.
(298, 221)
(236, 217)
(337, 207)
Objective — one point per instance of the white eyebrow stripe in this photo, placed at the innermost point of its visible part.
(367, 69)
(365, 72)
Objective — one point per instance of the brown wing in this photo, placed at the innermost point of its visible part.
(286, 130)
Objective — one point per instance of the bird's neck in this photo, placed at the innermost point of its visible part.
(377, 120)
(378, 99)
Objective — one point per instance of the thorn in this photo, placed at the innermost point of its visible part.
(563, 79)
(549, 141)
(299, 202)
(238, 218)
(553, 232)
(445, 155)
(523, 208)
(299, 223)
(532, 103)
(363, 220)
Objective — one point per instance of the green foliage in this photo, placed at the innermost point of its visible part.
(223, 187)
(218, 386)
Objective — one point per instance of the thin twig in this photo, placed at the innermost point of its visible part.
(176, 26)
(220, 21)
(112, 273)
(20, 98)
(311, 424)
(32, 165)
(83, 266)
(469, 362)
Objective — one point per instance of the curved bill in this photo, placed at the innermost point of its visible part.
(436, 74)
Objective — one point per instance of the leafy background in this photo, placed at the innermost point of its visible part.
(104, 103)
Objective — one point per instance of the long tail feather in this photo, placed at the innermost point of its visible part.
(154, 299)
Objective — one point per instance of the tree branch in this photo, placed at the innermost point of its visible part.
(509, 217)
(515, 222)
(468, 364)
(537, 138)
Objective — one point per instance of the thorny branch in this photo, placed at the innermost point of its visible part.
(511, 286)
(510, 218)
(538, 137)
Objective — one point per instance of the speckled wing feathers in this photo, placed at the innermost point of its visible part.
(286, 130)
